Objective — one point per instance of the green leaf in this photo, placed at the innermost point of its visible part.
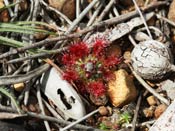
(8, 27)
(14, 43)
(103, 126)
(11, 42)
(7, 93)
(125, 118)
(32, 22)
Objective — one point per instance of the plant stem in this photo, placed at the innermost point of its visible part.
(143, 19)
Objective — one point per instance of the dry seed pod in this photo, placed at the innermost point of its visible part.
(152, 60)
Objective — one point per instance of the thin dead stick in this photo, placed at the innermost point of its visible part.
(115, 11)
(52, 119)
(31, 10)
(144, 84)
(49, 107)
(127, 16)
(145, 123)
(81, 16)
(20, 68)
(11, 13)
(77, 8)
(136, 113)
(51, 22)
(34, 15)
(94, 16)
(143, 19)
(28, 86)
(50, 62)
(39, 55)
(30, 57)
(27, 92)
(52, 111)
(166, 20)
(132, 40)
(56, 11)
(77, 21)
(110, 15)
(106, 10)
(38, 94)
(79, 120)
(7, 80)
(37, 44)
(7, 109)
(16, 10)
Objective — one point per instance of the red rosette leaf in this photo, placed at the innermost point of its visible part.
(111, 61)
(81, 85)
(79, 50)
(70, 75)
(98, 47)
(68, 59)
(108, 75)
(97, 88)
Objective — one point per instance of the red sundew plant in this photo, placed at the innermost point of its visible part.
(89, 67)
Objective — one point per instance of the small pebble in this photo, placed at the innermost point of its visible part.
(159, 110)
(103, 111)
(109, 110)
(99, 101)
(102, 118)
(151, 100)
(127, 55)
(19, 86)
(149, 112)
(114, 49)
